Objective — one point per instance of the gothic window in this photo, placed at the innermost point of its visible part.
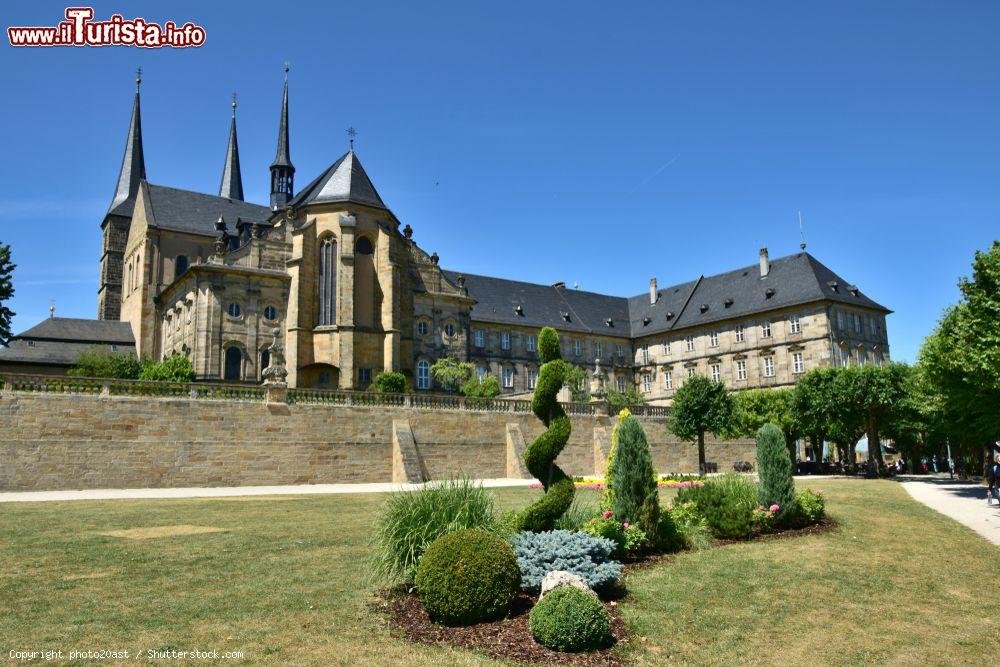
(423, 374)
(180, 265)
(327, 281)
(234, 363)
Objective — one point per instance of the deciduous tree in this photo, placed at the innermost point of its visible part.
(701, 406)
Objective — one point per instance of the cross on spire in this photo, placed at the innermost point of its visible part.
(351, 134)
(235, 97)
(138, 77)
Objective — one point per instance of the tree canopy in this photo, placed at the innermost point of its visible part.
(701, 406)
(6, 292)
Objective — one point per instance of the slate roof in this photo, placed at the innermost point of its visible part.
(794, 280)
(344, 180)
(133, 166)
(282, 156)
(57, 341)
(231, 186)
(544, 305)
(196, 213)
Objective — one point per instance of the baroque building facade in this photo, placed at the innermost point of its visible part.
(330, 272)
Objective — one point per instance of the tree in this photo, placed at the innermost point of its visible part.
(701, 405)
(621, 399)
(814, 405)
(99, 363)
(576, 380)
(540, 455)
(175, 368)
(756, 407)
(6, 292)
(481, 387)
(452, 374)
(389, 382)
(632, 484)
(871, 392)
(775, 468)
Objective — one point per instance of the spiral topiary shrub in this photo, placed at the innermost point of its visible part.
(540, 456)
(570, 619)
(467, 576)
(582, 554)
(775, 468)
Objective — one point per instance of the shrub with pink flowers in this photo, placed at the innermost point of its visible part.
(764, 517)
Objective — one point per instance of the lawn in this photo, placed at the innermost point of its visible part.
(284, 581)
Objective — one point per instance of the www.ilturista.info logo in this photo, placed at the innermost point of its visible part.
(80, 30)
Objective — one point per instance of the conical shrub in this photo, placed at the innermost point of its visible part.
(776, 484)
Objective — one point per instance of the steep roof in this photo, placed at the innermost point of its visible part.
(497, 300)
(196, 212)
(282, 156)
(344, 180)
(133, 167)
(231, 186)
(57, 341)
(793, 280)
(81, 331)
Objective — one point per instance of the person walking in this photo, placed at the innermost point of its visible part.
(993, 476)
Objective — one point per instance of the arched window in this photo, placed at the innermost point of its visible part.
(234, 364)
(423, 374)
(270, 313)
(265, 361)
(234, 309)
(180, 265)
(327, 281)
(363, 246)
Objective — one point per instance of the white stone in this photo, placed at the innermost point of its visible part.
(557, 578)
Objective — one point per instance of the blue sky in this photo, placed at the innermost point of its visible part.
(593, 143)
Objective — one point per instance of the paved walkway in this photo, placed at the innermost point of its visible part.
(226, 491)
(964, 502)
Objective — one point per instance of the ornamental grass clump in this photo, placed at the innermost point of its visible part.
(410, 521)
(775, 467)
(584, 555)
(467, 576)
(727, 503)
(569, 619)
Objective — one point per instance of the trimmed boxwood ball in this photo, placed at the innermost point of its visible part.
(570, 619)
(467, 576)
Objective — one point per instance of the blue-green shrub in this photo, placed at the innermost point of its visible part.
(579, 553)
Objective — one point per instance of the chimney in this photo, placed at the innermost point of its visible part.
(652, 291)
(765, 263)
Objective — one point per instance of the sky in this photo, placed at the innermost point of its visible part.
(595, 143)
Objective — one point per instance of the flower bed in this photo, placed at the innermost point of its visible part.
(598, 484)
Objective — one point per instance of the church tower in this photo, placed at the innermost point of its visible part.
(282, 171)
(114, 228)
(232, 181)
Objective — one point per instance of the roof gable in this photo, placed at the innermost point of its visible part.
(196, 212)
(78, 330)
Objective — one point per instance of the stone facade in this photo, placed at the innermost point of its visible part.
(80, 442)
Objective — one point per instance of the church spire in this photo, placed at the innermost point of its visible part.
(232, 181)
(282, 171)
(133, 166)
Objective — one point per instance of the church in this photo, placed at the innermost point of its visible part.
(328, 273)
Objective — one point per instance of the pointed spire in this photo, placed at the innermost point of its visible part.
(133, 166)
(232, 180)
(282, 157)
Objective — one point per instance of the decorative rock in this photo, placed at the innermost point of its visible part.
(557, 578)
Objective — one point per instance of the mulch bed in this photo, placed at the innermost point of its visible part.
(509, 638)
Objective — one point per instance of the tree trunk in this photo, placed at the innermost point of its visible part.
(876, 464)
(701, 454)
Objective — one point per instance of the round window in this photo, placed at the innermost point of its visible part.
(449, 329)
(422, 328)
(270, 313)
(234, 309)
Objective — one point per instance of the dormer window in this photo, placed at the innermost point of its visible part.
(608, 322)
(853, 289)
(670, 314)
(834, 285)
(703, 308)
(519, 310)
(646, 321)
(729, 302)
(565, 316)
(769, 292)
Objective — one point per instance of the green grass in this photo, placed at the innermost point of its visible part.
(286, 583)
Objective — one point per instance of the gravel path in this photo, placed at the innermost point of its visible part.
(964, 502)
(226, 491)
